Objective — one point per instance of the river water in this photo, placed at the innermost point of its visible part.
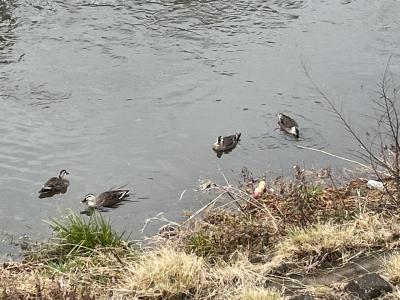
(135, 92)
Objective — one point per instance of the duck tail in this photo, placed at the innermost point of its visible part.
(123, 194)
(45, 189)
(237, 136)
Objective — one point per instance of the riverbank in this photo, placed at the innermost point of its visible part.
(307, 235)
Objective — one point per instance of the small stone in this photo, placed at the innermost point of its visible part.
(369, 286)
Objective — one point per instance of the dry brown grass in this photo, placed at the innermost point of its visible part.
(391, 267)
(162, 273)
(221, 233)
(26, 281)
(256, 293)
(308, 220)
(294, 228)
(165, 274)
(392, 296)
(301, 203)
(79, 277)
(308, 248)
(173, 274)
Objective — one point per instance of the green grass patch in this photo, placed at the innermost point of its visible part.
(201, 244)
(311, 192)
(86, 234)
(77, 236)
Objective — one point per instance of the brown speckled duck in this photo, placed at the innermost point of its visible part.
(108, 199)
(55, 185)
(226, 144)
(288, 125)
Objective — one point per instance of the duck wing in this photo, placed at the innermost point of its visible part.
(231, 140)
(53, 184)
(112, 198)
(286, 121)
(228, 141)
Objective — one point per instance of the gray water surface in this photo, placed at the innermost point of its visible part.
(135, 92)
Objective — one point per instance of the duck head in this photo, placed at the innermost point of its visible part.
(218, 144)
(90, 200)
(295, 131)
(62, 174)
(237, 136)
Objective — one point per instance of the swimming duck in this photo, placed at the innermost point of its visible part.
(55, 185)
(108, 199)
(288, 125)
(226, 144)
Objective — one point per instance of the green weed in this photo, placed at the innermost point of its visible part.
(78, 234)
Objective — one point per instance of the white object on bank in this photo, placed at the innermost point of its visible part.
(373, 184)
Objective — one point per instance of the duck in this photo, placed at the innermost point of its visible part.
(288, 125)
(108, 199)
(55, 185)
(226, 144)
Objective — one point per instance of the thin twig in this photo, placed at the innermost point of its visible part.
(341, 117)
(158, 217)
(212, 202)
(180, 198)
(254, 202)
(223, 175)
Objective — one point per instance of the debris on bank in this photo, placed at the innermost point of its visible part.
(264, 238)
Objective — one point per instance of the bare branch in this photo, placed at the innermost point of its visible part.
(377, 154)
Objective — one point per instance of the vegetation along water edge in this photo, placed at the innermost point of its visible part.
(311, 236)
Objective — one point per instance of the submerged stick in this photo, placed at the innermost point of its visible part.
(334, 155)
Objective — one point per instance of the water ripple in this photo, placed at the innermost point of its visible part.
(119, 91)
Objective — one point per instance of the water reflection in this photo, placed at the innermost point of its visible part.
(52, 193)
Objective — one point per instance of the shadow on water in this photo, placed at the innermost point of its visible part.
(89, 211)
(220, 153)
(51, 194)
